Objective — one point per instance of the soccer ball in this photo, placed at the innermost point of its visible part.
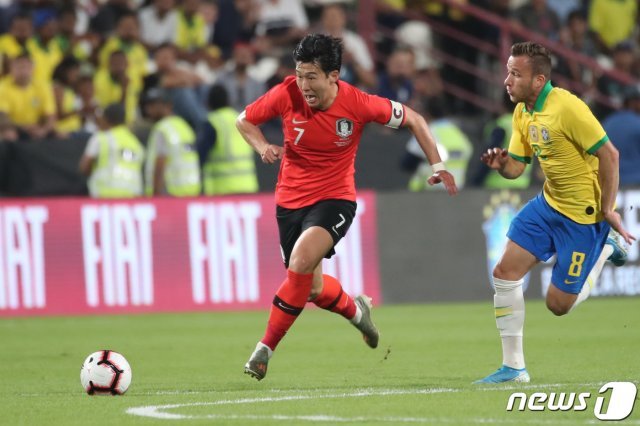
(105, 373)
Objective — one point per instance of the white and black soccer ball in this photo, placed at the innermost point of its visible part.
(105, 373)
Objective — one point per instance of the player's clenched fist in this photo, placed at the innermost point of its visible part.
(496, 158)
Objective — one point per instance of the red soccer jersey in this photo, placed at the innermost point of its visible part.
(320, 146)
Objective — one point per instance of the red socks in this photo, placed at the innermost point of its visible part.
(291, 298)
(334, 299)
(287, 305)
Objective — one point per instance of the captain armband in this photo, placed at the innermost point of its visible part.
(397, 115)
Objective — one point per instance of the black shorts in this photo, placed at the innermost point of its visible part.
(335, 216)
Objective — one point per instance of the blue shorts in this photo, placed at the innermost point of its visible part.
(543, 231)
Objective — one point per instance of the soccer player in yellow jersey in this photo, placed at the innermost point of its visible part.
(573, 217)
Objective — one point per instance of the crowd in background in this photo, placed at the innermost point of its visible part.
(63, 63)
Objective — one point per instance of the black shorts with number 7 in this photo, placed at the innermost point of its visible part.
(335, 216)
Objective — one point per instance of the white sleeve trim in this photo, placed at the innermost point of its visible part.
(397, 115)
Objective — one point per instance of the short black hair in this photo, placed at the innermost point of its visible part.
(218, 97)
(114, 114)
(539, 56)
(576, 14)
(60, 71)
(320, 49)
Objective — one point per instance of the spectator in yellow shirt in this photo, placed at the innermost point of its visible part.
(127, 40)
(192, 32)
(28, 102)
(68, 108)
(114, 85)
(80, 46)
(14, 42)
(43, 47)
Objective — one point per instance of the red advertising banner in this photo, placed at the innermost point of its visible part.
(83, 256)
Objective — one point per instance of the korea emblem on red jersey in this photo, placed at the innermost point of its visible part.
(344, 128)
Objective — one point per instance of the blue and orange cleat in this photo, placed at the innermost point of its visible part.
(506, 374)
(620, 248)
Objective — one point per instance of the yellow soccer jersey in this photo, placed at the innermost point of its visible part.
(108, 92)
(26, 105)
(563, 133)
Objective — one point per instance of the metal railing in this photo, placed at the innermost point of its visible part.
(500, 52)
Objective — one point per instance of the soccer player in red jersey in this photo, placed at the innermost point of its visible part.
(322, 121)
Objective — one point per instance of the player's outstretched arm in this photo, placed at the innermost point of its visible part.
(609, 177)
(254, 137)
(499, 159)
(418, 126)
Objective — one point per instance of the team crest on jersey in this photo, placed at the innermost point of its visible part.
(545, 135)
(344, 128)
(533, 133)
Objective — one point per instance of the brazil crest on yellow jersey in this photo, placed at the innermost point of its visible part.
(563, 133)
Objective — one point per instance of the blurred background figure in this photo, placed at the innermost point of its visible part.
(28, 102)
(396, 81)
(106, 18)
(497, 134)
(228, 163)
(14, 42)
(281, 23)
(68, 106)
(453, 145)
(241, 87)
(623, 128)
(43, 46)
(536, 15)
(184, 86)
(158, 23)
(613, 21)
(88, 103)
(192, 31)
(623, 58)
(235, 23)
(126, 39)
(113, 158)
(357, 64)
(115, 85)
(171, 166)
(576, 36)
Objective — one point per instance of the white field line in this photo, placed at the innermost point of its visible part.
(159, 411)
(156, 411)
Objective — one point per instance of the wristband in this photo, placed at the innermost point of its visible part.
(438, 167)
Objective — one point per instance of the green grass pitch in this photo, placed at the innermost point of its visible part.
(322, 372)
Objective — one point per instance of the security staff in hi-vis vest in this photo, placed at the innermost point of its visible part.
(172, 166)
(228, 164)
(113, 158)
(453, 145)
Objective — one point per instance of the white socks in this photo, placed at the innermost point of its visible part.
(509, 309)
(607, 250)
(261, 345)
(357, 317)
